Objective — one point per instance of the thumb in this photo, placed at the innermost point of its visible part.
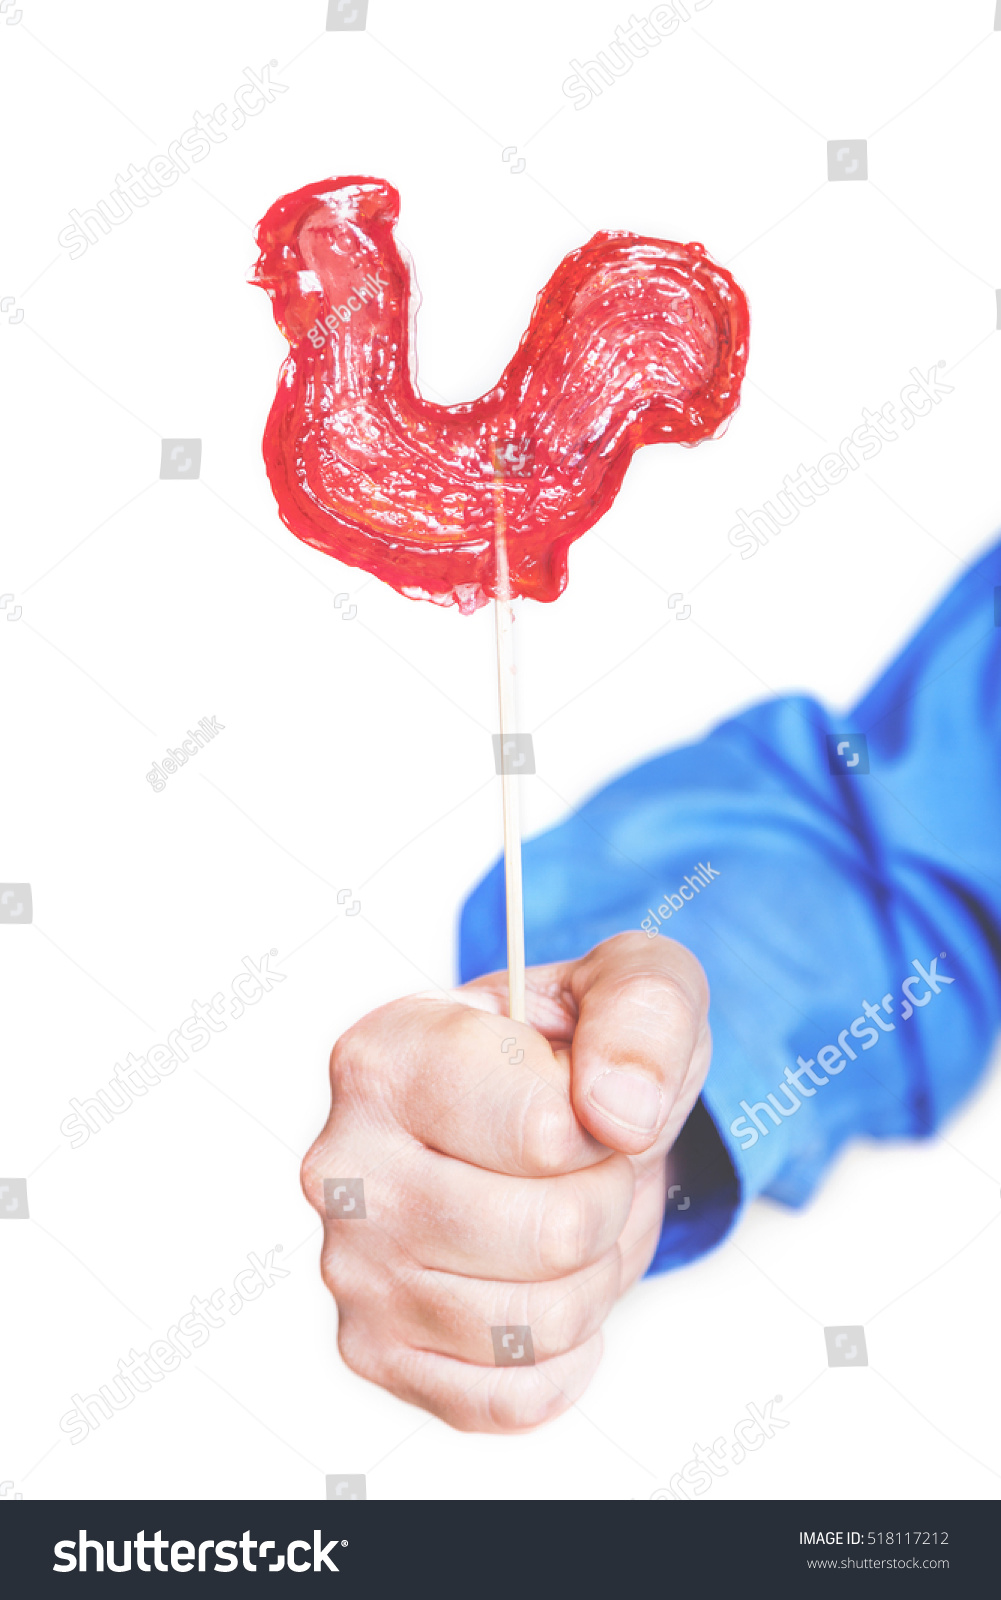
(641, 1045)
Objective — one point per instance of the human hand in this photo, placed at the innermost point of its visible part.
(515, 1173)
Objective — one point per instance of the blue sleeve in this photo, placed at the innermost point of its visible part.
(839, 878)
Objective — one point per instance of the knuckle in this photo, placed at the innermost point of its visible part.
(572, 1319)
(462, 1031)
(582, 1216)
(311, 1174)
(628, 943)
(374, 1061)
(650, 990)
(359, 1351)
(547, 1141)
(666, 998)
(661, 973)
(692, 976)
(415, 1376)
(357, 1058)
(362, 1284)
(346, 1061)
(568, 1229)
(329, 1156)
(332, 1268)
(360, 1069)
(520, 1401)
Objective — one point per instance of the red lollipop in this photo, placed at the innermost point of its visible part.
(633, 341)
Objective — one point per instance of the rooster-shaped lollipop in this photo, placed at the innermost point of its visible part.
(633, 341)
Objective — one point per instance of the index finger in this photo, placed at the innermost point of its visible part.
(469, 1083)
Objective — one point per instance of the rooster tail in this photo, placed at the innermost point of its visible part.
(651, 335)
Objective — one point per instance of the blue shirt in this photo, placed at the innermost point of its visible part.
(839, 878)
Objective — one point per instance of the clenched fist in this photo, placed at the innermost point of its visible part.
(514, 1174)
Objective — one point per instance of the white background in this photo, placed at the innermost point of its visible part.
(357, 754)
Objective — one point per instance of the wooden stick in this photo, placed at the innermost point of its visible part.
(504, 617)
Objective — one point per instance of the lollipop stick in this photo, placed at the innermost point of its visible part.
(504, 617)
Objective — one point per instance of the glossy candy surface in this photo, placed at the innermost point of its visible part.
(632, 341)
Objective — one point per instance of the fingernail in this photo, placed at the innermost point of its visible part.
(627, 1098)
